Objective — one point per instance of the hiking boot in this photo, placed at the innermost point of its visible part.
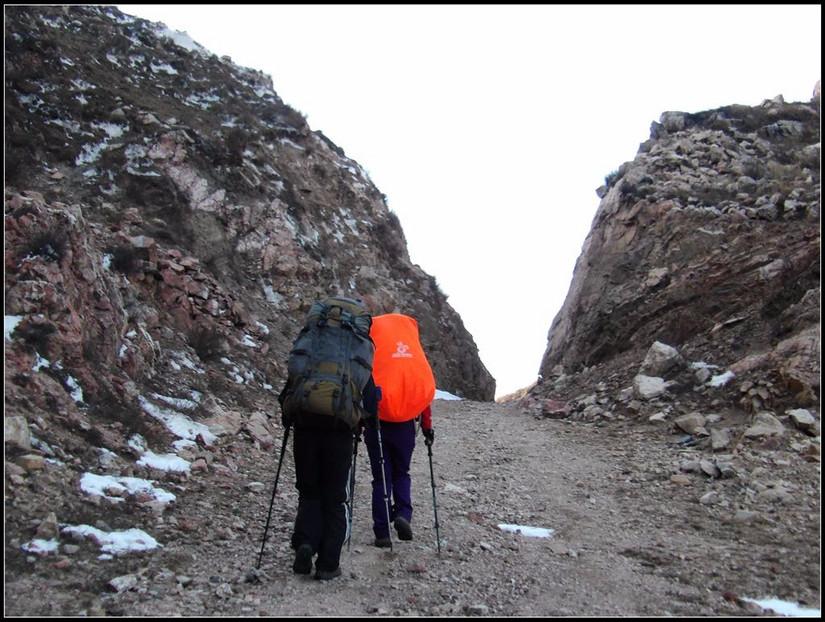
(303, 560)
(383, 543)
(402, 526)
(327, 575)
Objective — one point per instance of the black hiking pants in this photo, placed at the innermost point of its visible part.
(323, 457)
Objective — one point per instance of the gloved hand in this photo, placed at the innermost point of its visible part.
(429, 435)
(370, 422)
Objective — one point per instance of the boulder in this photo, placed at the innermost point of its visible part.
(802, 419)
(648, 387)
(661, 359)
(765, 424)
(259, 428)
(692, 423)
(16, 432)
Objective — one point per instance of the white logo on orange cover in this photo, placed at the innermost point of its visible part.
(402, 351)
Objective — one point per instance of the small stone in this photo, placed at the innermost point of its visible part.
(702, 375)
(719, 439)
(775, 495)
(31, 462)
(199, 466)
(726, 470)
(558, 548)
(708, 468)
(48, 528)
(802, 418)
(680, 479)
(745, 516)
(123, 583)
(690, 466)
(13, 469)
(765, 424)
(224, 590)
(16, 432)
(692, 423)
(709, 498)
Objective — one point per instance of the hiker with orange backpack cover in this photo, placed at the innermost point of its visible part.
(402, 370)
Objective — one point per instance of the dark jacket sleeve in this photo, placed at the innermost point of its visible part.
(370, 398)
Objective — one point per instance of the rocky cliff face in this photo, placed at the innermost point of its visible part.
(168, 222)
(707, 243)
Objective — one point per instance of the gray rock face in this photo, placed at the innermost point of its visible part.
(708, 239)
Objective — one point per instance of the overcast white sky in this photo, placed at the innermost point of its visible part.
(489, 127)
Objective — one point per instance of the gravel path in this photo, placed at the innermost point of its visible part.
(627, 540)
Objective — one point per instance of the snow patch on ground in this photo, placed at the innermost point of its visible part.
(785, 608)
(443, 395)
(104, 485)
(40, 547)
(114, 542)
(721, 380)
(532, 532)
(164, 462)
(10, 322)
(178, 424)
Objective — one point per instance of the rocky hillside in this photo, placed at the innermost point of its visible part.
(168, 222)
(707, 242)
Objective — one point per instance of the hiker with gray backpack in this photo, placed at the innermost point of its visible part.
(329, 395)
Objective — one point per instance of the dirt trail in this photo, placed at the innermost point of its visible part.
(627, 541)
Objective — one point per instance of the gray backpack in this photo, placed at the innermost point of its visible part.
(330, 362)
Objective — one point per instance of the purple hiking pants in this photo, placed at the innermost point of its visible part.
(399, 442)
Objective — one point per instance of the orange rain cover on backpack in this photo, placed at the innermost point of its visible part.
(400, 368)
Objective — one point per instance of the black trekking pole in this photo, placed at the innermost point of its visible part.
(429, 444)
(272, 502)
(352, 486)
(384, 479)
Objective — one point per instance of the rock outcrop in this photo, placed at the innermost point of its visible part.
(708, 242)
(169, 220)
